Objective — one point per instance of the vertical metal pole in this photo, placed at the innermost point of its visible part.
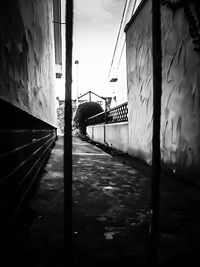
(89, 96)
(105, 118)
(68, 134)
(77, 85)
(105, 112)
(157, 91)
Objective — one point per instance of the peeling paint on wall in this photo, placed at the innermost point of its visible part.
(27, 57)
(180, 114)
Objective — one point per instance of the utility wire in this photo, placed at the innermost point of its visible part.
(118, 35)
(125, 39)
(133, 8)
(121, 54)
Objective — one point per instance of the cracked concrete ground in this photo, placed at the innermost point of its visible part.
(110, 214)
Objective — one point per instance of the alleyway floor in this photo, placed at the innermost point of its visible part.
(110, 208)
(110, 214)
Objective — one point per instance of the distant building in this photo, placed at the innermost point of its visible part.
(105, 102)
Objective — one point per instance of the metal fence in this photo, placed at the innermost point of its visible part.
(25, 145)
(116, 114)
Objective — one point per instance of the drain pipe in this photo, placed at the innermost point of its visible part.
(104, 126)
(157, 91)
(104, 134)
(68, 135)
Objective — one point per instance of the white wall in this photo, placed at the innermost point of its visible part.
(180, 112)
(27, 73)
(114, 135)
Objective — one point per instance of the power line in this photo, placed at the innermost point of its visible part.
(121, 54)
(118, 35)
(125, 39)
(133, 8)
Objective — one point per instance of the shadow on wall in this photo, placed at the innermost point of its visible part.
(180, 128)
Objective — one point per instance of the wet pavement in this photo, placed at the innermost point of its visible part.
(110, 214)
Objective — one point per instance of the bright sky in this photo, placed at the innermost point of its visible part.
(96, 24)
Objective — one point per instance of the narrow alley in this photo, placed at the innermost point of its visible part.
(110, 214)
(111, 199)
(122, 77)
(111, 204)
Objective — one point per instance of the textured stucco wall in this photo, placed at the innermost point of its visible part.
(27, 57)
(180, 127)
(139, 69)
(180, 115)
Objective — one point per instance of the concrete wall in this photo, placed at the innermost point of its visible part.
(27, 57)
(96, 133)
(115, 135)
(180, 118)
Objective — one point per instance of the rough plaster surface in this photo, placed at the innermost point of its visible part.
(139, 70)
(180, 119)
(180, 127)
(27, 57)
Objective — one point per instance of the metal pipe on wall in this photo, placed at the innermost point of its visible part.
(157, 91)
(68, 134)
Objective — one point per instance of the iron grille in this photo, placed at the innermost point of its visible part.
(116, 114)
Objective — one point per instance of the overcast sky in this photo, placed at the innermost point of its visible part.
(96, 24)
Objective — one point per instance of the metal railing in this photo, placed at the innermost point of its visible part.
(114, 115)
(25, 145)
